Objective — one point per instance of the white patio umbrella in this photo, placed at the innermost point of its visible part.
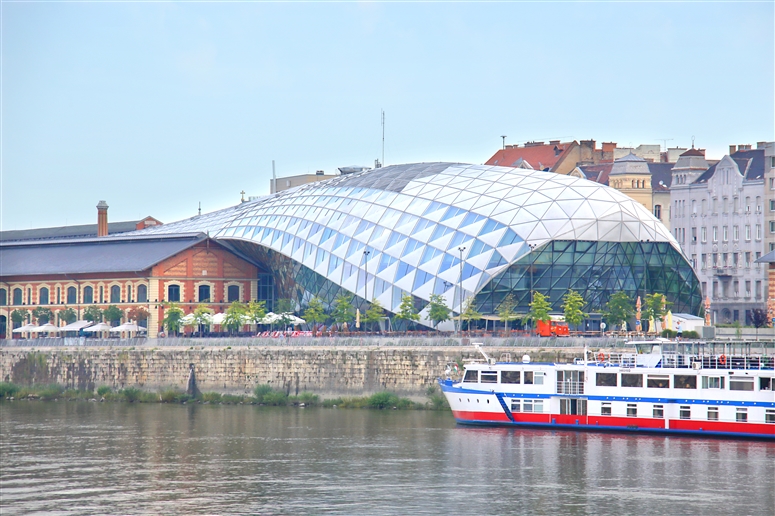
(98, 327)
(77, 325)
(129, 326)
(269, 318)
(48, 327)
(24, 329)
(296, 320)
(187, 320)
(218, 318)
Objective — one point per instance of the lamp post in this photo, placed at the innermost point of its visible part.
(532, 265)
(366, 276)
(460, 314)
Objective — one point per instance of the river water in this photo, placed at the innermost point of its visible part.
(118, 458)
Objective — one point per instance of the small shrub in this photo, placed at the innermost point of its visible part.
(130, 394)
(211, 397)
(668, 333)
(277, 398)
(382, 400)
(438, 402)
(260, 391)
(172, 396)
(103, 390)
(7, 390)
(308, 398)
(50, 392)
(691, 334)
(231, 399)
(332, 402)
(148, 397)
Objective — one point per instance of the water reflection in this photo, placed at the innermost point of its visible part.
(91, 458)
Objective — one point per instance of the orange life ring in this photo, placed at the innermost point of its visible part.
(722, 360)
(601, 357)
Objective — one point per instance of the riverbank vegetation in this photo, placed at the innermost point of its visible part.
(262, 395)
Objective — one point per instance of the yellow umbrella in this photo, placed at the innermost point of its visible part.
(669, 320)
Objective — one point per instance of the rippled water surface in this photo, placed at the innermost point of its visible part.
(117, 458)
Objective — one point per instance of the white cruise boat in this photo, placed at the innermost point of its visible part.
(664, 387)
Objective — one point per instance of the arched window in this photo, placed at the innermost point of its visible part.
(43, 296)
(658, 211)
(204, 293)
(88, 295)
(17, 296)
(173, 293)
(129, 293)
(142, 294)
(102, 294)
(233, 293)
(3, 297)
(115, 294)
(72, 295)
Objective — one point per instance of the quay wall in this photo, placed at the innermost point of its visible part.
(328, 371)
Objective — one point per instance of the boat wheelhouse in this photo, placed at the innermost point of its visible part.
(662, 386)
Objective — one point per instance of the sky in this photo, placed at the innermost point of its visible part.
(156, 107)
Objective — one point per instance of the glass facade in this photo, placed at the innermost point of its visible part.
(453, 229)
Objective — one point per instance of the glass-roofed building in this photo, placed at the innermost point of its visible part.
(461, 231)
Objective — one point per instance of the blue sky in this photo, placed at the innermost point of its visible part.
(155, 107)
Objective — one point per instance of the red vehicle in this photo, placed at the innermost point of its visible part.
(552, 328)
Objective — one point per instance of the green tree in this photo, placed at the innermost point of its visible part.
(572, 305)
(656, 308)
(113, 313)
(172, 316)
(406, 311)
(438, 311)
(235, 316)
(373, 314)
(67, 315)
(93, 314)
(284, 308)
(618, 309)
(506, 311)
(203, 317)
(314, 314)
(470, 313)
(343, 310)
(255, 311)
(539, 309)
(43, 315)
(20, 315)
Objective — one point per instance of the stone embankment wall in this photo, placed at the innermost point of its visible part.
(328, 372)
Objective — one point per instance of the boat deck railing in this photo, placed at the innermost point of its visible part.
(680, 361)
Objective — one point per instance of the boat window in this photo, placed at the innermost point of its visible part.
(632, 380)
(685, 412)
(489, 377)
(632, 410)
(712, 382)
(659, 411)
(658, 381)
(515, 405)
(605, 409)
(510, 376)
(740, 384)
(471, 376)
(712, 413)
(769, 416)
(538, 378)
(643, 348)
(742, 415)
(528, 377)
(532, 406)
(685, 381)
(765, 384)
(605, 380)
(538, 406)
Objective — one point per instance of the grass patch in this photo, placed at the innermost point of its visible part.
(103, 390)
(173, 396)
(211, 397)
(8, 389)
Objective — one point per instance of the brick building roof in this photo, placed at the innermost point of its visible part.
(540, 156)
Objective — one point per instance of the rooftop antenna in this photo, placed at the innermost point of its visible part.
(692, 141)
(274, 180)
(664, 140)
(504, 140)
(200, 208)
(383, 137)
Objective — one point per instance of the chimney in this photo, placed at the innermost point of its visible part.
(732, 149)
(608, 151)
(102, 219)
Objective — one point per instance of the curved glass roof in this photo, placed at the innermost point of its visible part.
(408, 226)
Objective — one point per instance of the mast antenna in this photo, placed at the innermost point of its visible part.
(383, 137)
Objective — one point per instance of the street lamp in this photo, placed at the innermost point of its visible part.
(366, 273)
(532, 266)
(460, 314)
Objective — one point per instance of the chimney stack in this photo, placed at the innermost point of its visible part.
(732, 149)
(102, 219)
